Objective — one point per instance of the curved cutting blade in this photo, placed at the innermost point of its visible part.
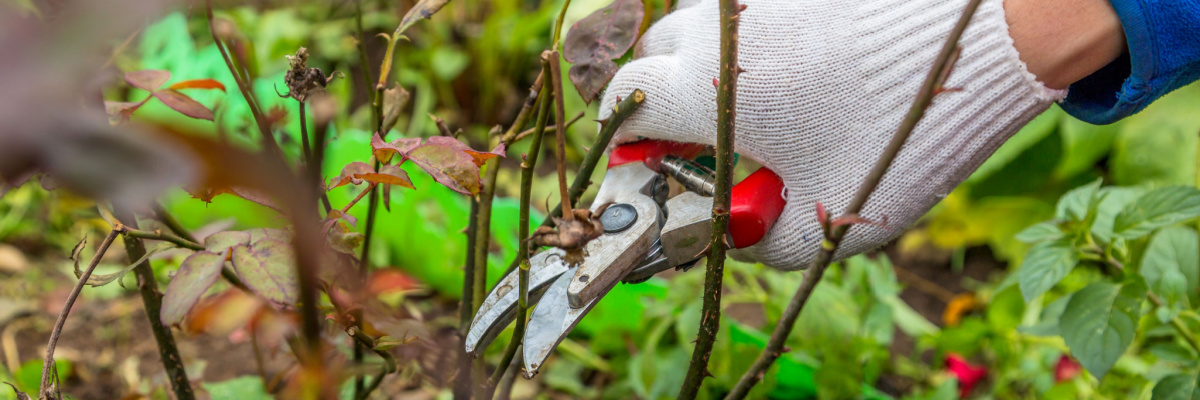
(500, 307)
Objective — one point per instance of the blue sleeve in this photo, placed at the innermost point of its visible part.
(1164, 55)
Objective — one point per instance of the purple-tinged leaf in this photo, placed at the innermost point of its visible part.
(358, 171)
(258, 234)
(267, 267)
(221, 241)
(447, 161)
(594, 41)
(147, 79)
(184, 104)
(196, 274)
(121, 111)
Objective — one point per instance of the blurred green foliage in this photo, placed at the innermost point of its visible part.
(472, 64)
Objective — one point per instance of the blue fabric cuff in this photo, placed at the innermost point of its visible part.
(1164, 55)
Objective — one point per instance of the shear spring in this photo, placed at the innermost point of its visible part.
(692, 175)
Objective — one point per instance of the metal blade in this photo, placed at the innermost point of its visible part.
(552, 320)
(500, 307)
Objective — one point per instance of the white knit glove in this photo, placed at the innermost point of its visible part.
(825, 86)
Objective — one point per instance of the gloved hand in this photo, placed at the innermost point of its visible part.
(825, 86)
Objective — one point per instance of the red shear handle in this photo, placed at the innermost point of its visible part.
(652, 152)
(756, 201)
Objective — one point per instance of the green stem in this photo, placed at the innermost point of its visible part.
(527, 167)
(829, 246)
(710, 317)
(163, 236)
(268, 139)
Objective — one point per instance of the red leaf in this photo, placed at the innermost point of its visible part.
(447, 161)
(198, 84)
(389, 280)
(120, 110)
(594, 41)
(822, 215)
(184, 104)
(148, 79)
(384, 150)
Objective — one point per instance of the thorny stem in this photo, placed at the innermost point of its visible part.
(48, 363)
(369, 343)
(527, 166)
(462, 385)
(264, 128)
(710, 319)
(152, 300)
(560, 125)
(583, 177)
(829, 246)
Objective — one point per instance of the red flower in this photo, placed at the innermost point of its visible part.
(968, 374)
(1066, 369)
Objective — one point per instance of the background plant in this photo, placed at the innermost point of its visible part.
(472, 65)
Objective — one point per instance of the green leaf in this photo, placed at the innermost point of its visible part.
(1084, 144)
(1177, 387)
(1100, 322)
(1045, 265)
(1048, 320)
(1077, 203)
(1171, 264)
(1041, 232)
(1112, 201)
(29, 376)
(196, 274)
(268, 268)
(1159, 208)
(221, 241)
(1158, 145)
(240, 388)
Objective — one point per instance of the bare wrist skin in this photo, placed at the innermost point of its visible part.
(1063, 41)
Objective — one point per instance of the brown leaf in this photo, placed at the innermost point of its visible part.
(424, 9)
(394, 100)
(198, 84)
(590, 77)
(358, 171)
(223, 313)
(184, 104)
(597, 39)
(147, 79)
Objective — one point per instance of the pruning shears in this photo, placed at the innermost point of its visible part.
(644, 233)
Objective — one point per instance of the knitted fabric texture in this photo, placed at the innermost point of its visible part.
(825, 86)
